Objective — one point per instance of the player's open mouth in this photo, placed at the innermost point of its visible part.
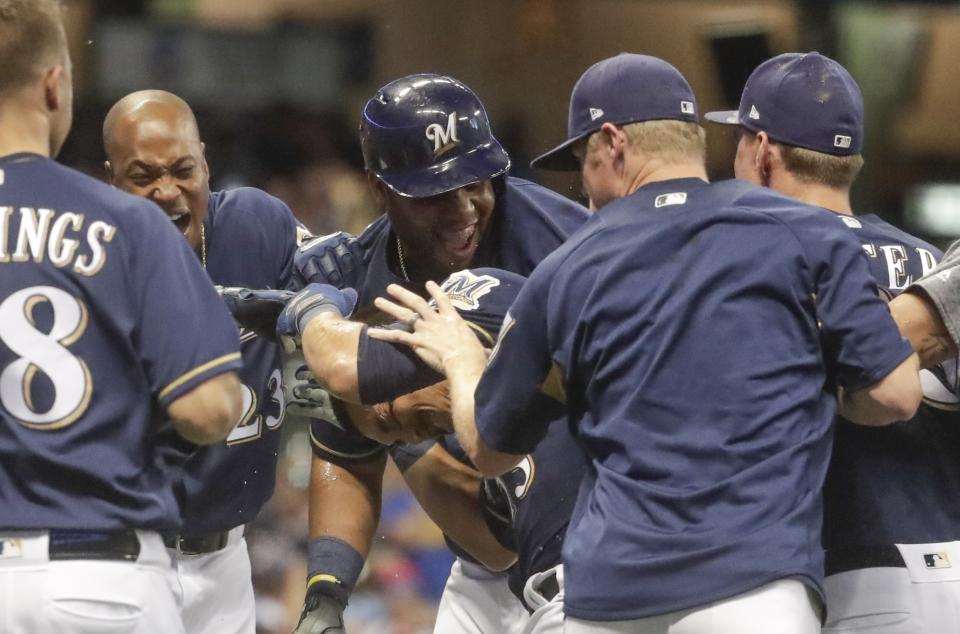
(181, 220)
(459, 241)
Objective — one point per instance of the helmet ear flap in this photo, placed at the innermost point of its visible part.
(426, 134)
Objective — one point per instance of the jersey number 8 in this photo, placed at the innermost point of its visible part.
(46, 353)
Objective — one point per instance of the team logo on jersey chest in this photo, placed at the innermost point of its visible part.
(464, 289)
(444, 139)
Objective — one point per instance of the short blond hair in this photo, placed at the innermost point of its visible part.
(31, 38)
(811, 166)
(670, 141)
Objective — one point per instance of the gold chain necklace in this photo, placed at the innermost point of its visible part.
(203, 247)
(403, 265)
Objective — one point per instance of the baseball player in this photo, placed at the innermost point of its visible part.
(687, 333)
(91, 364)
(440, 175)
(538, 493)
(801, 133)
(242, 237)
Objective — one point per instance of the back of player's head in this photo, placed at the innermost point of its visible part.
(628, 89)
(426, 134)
(32, 39)
(811, 105)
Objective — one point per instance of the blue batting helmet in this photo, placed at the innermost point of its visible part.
(428, 134)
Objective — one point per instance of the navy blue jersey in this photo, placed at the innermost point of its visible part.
(101, 301)
(528, 222)
(685, 332)
(893, 484)
(251, 240)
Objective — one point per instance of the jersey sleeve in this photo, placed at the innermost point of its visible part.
(184, 335)
(291, 235)
(858, 332)
(942, 286)
(518, 395)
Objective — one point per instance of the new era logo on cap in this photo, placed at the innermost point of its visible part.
(595, 113)
(842, 141)
(754, 114)
(686, 107)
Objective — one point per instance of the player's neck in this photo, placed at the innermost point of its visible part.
(836, 199)
(653, 171)
(23, 131)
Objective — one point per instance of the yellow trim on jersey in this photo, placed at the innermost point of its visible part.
(227, 358)
(322, 577)
(553, 384)
(354, 456)
(486, 336)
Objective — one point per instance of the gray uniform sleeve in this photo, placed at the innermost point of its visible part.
(942, 286)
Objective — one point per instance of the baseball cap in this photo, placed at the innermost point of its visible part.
(802, 99)
(623, 89)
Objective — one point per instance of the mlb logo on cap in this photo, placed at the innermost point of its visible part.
(627, 88)
(802, 99)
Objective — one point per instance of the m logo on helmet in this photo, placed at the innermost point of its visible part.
(443, 140)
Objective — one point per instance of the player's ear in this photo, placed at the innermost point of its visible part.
(108, 170)
(53, 99)
(203, 159)
(762, 158)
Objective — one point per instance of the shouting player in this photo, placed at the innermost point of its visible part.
(440, 175)
(98, 296)
(800, 124)
(241, 237)
(684, 333)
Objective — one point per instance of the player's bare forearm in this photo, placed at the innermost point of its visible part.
(894, 398)
(330, 345)
(449, 492)
(463, 377)
(345, 500)
(921, 323)
(207, 413)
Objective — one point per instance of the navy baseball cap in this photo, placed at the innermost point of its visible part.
(624, 89)
(801, 99)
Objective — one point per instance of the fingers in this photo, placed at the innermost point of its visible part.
(444, 307)
(411, 300)
(398, 312)
(394, 336)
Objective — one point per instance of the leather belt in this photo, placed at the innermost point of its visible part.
(202, 544)
(859, 557)
(96, 545)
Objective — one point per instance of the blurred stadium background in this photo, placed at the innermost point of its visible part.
(278, 85)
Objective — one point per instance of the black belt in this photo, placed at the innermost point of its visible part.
(859, 557)
(196, 544)
(104, 546)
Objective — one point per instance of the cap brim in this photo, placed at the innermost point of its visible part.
(560, 158)
(724, 117)
(483, 163)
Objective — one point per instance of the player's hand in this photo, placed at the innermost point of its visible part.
(307, 304)
(321, 614)
(302, 395)
(255, 310)
(441, 337)
(336, 259)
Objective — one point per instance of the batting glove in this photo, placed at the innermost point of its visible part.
(322, 614)
(307, 304)
(255, 310)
